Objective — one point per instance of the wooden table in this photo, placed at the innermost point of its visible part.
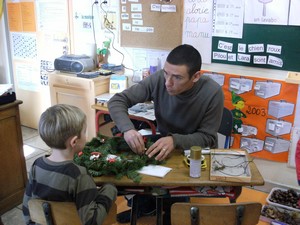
(179, 176)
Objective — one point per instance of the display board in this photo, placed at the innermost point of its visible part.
(267, 46)
(151, 24)
(263, 114)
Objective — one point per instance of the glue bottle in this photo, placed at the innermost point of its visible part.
(195, 161)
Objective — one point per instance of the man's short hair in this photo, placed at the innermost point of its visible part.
(186, 55)
(60, 122)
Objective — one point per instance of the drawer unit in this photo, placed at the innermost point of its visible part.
(69, 89)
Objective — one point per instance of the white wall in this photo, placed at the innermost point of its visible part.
(5, 69)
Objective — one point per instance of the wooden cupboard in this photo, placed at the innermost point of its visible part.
(67, 88)
(13, 174)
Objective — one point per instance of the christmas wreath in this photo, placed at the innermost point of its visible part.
(112, 156)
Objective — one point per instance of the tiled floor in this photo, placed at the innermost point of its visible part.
(34, 147)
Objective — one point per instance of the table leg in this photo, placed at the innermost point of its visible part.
(237, 192)
(159, 211)
(134, 210)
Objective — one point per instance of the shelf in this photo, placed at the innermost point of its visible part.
(293, 77)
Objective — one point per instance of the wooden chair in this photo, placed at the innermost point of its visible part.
(247, 213)
(61, 213)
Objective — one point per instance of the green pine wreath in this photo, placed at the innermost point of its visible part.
(112, 156)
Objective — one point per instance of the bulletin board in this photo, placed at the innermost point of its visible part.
(264, 117)
(286, 36)
(165, 28)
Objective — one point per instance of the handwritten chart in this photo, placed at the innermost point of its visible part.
(197, 27)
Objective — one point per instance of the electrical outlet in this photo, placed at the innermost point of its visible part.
(109, 20)
(293, 77)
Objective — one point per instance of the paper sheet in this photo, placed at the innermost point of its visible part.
(5, 88)
(155, 170)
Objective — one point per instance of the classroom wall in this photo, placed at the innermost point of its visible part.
(5, 72)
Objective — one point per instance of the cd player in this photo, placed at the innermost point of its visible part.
(74, 63)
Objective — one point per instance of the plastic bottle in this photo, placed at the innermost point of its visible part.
(153, 65)
(195, 161)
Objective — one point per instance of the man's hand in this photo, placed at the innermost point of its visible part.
(135, 141)
(163, 147)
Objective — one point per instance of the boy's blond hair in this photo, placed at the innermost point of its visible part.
(60, 122)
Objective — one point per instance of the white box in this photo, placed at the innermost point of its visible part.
(267, 89)
(248, 130)
(280, 205)
(276, 145)
(251, 144)
(278, 127)
(280, 109)
(117, 83)
(268, 212)
(216, 77)
(240, 85)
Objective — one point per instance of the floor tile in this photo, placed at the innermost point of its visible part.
(13, 217)
(30, 161)
(31, 152)
(28, 133)
(36, 142)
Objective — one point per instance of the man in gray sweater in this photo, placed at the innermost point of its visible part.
(188, 107)
(188, 111)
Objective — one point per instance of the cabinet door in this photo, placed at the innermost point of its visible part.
(13, 175)
(80, 92)
(77, 97)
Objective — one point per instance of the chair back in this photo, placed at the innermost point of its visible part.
(247, 213)
(61, 213)
(226, 126)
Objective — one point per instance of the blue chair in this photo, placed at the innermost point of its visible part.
(226, 127)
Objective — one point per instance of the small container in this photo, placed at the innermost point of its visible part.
(195, 161)
(145, 73)
(153, 65)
